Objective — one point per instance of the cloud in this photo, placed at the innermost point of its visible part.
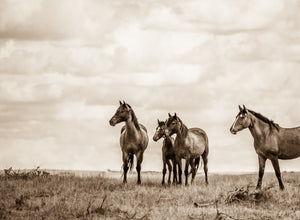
(56, 20)
(65, 64)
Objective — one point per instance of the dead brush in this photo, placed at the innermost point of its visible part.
(10, 173)
(243, 194)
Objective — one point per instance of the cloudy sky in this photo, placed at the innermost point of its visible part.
(65, 64)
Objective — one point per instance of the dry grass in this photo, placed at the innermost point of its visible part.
(100, 197)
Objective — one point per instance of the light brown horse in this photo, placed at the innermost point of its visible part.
(168, 154)
(270, 140)
(133, 140)
(189, 145)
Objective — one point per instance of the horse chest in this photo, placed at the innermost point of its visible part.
(170, 155)
(132, 144)
(181, 150)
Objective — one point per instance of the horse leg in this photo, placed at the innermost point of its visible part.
(186, 170)
(205, 168)
(178, 161)
(174, 171)
(262, 164)
(275, 164)
(164, 172)
(170, 171)
(193, 169)
(125, 166)
(139, 160)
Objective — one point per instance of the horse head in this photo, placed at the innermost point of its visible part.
(122, 114)
(172, 125)
(242, 120)
(160, 130)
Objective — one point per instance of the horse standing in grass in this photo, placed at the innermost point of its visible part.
(168, 154)
(189, 144)
(270, 140)
(133, 140)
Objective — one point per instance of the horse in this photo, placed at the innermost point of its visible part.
(189, 144)
(134, 139)
(168, 154)
(270, 140)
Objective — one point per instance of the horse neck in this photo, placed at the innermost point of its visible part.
(168, 141)
(258, 128)
(132, 126)
(182, 132)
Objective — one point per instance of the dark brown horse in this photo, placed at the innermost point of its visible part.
(189, 144)
(133, 140)
(270, 140)
(168, 154)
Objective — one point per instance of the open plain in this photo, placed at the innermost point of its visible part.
(67, 195)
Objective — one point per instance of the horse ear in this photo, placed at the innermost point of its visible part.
(240, 108)
(120, 102)
(169, 114)
(175, 116)
(245, 109)
(158, 121)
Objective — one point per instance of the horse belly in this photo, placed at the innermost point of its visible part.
(129, 147)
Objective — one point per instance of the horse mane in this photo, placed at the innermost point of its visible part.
(161, 123)
(183, 129)
(123, 129)
(143, 127)
(265, 119)
(134, 119)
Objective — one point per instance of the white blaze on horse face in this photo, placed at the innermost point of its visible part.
(233, 125)
(167, 132)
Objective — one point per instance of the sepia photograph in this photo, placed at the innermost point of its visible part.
(149, 109)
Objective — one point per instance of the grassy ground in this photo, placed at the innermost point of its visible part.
(69, 197)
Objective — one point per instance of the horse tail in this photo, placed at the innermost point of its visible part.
(197, 162)
(130, 161)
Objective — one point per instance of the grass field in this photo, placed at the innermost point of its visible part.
(105, 197)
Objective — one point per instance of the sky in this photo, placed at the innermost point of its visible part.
(65, 64)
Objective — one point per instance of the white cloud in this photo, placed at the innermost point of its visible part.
(65, 64)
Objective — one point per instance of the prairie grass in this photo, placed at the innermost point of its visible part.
(104, 197)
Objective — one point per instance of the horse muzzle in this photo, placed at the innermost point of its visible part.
(112, 122)
(233, 131)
